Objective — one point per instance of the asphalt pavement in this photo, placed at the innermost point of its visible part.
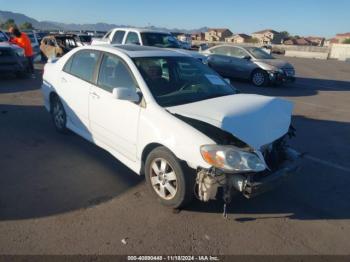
(60, 194)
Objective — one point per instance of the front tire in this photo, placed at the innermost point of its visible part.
(58, 114)
(260, 78)
(169, 179)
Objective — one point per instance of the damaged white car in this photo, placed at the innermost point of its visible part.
(167, 116)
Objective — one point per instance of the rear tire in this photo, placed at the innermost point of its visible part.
(260, 78)
(58, 114)
(170, 180)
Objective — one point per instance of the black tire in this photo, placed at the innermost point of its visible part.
(58, 115)
(185, 178)
(260, 78)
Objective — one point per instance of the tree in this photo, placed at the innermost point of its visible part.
(26, 26)
(346, 41)
(285, 34)
(7, 24)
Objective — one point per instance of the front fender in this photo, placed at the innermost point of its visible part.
(158, 126)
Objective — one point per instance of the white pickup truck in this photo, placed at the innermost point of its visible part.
(146, 37)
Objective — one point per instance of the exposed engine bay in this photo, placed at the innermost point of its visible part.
(278, 156)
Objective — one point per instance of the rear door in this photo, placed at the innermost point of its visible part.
(75, 82)
(114, 122)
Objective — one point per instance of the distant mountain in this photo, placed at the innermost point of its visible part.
(50, 25)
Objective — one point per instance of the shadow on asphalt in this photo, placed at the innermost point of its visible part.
(43, 173)
(11, 84)
(301, 87)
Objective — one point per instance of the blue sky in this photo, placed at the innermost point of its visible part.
(303, 17)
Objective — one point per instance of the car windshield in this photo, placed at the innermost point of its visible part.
(85, 38)
(181, 80)
(159, 40)
(258, 53)
(3, 37)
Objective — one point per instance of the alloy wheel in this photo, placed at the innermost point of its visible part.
(163, 178)
(258, 78)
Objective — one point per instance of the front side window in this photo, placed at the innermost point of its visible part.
(114, 73)
(82, 64)
(118, 37)
(159, 40)
(132, 38)
(181, 80)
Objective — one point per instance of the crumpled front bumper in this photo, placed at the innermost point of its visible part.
(257, 186)
(276, 77)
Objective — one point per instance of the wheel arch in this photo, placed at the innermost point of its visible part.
(52, 96)
(146, 151)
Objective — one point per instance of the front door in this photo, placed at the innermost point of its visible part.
(114, 122)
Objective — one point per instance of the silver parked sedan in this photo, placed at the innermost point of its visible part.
(250, 63)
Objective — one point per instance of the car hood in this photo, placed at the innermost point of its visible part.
(274, 62)
(254, 119)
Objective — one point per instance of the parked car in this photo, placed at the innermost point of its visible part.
(84, 39)
(250, 63)
(168, 116)
(145, 37)
(12, 59)
(56, 45)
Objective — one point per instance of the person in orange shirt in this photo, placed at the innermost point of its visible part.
(22, 40)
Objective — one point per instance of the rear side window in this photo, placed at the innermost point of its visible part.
(82, 64)
(114, 73)
(132, 38)
(118, 37)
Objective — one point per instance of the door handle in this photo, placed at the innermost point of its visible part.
(94, 95)
(63, 80)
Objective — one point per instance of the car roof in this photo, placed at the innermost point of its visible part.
(139, 51)
(141, 30)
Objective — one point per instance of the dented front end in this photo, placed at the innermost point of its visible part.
(281, 161)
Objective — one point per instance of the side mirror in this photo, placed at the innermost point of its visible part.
(247, 57)
(227, 80)
(127, 94)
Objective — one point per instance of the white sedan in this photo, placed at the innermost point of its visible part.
(167, 116)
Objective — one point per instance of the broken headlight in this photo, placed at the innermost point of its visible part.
(232, 159)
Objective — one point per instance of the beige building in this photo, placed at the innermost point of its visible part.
(342, 37)
(316, 41)
(268, 37)
(217, 34)
(238, 39)
(198, 36)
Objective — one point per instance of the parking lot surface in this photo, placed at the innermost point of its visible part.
(59, 194)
